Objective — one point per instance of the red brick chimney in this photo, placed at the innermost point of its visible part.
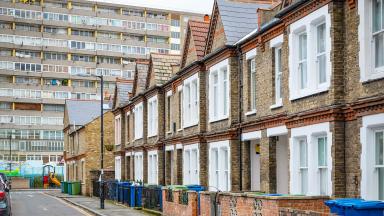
(206, 18)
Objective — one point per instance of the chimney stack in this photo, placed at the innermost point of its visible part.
(206, 18)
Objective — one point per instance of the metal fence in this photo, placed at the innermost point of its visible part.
(152, 197)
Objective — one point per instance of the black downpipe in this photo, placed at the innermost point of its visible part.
(164, 96)
(240, 66)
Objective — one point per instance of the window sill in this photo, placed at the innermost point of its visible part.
(150, 136)
(181, 129)
(306, 93)
(169, 132)
(190, 125)
(275, 106)
(252, 112)
(372, 78)
(218, 119)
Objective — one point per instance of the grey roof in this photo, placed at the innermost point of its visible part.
(239, 19)
(123, 88)
(81, 112)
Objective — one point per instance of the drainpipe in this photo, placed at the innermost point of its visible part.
(240, 71)
(163, 113)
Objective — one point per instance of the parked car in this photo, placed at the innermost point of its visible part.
(5, 179)
(5, 201)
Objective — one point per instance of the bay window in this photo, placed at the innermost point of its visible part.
(311, 160)
(191, 164)
(138, 163)
(191, 101)
(372, 157)
(304, 81)
(152, 167)
(219, 171)
(118, 130)
(152, 116)
(379, 161)
(219, 91)
(138, 121)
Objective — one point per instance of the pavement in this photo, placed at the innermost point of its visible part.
(92, 205)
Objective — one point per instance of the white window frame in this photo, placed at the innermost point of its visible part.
(118, 168)
(152, 116)
(153, 167)
(276, 44)
(138, 162)
(221, 102)
(307, 25)
(191, 101)
(369, 170)
(191, 169)
(118, 130)
(367, 52)
(310, 133)
(220, 176)
(138, 121)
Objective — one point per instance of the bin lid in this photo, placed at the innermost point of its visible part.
(346, 202)
(272, 195)
(369, 205)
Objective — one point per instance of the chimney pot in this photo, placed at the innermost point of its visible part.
(206, 18)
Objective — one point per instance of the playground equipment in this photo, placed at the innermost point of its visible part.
(50, 178)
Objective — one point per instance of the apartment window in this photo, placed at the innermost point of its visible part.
(138, 162)
(83, 58)
(31, 28)
(27, 54)
(379, 161)
(219, 91)
(55, 30)
(303, 166)
(191, 101)
(82, 45)
(322, 164)
(109, 35)
(82, 7)
(118, 130)
(175, 46)
(27, 80)
(55, 16)
(53, 108)
(175, 22)
(27, 14)
(305, 55)
(4, 25)
(219, 173)
(107, 10)
(152, 116)
(108, 60)
(155, 39)
(378, 33)
(5, 105)
(152, 167)
(191, 164)
(180, 106)
(175, 34)
(138, 120)
(55, 56)
(133, 13)
(134, 37)
(83, 33)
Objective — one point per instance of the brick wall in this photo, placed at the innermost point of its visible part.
(176, 209)
(249, 205)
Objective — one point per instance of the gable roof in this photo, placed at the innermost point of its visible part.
(197, 31)
(238, 19)
(140, 79)
(80, 112)
(161, 68)
(122, 90)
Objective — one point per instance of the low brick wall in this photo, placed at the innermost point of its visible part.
(175, 208)
(248, 204)
(19, 183)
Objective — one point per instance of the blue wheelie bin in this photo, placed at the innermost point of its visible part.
(131, 200)
(138, 195)
(367, 208)
(125, 189)
(339, 206)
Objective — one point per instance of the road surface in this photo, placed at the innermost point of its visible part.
(36, 203)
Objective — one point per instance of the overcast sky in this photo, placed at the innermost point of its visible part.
(197, 6)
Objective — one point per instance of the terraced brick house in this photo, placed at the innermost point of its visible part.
(284, 97)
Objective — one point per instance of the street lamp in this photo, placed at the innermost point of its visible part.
(101, 142)
(101, 184)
